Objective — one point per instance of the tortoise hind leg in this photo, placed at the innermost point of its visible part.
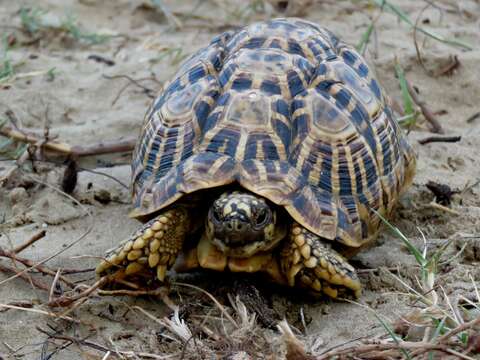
(154, 247)
(310, 262)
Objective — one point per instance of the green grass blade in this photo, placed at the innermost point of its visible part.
(415, 252)
(433, 262)
(362, 45)
(70, 25)
(21, 148)
(404, 17)
(4, 144)
(439, 329)
(31, 19)
(408, 106)
(393, 336)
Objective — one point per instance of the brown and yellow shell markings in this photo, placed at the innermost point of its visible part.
(284, 110)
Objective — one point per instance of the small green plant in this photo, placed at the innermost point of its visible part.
(9, 148)
(71, 26)
(31, 19)
(410, 113)
(441, 314)
(32, 22)
(7, 70)
(51, 74)
(365, 39)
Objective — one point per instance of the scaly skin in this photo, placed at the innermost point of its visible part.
(154, 247)
(308, 261)
(301, 259)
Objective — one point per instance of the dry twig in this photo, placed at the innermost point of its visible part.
(436, 126)
(447, 139)
(36, 283)
(35, 237)
(29, 263)
(104, 147)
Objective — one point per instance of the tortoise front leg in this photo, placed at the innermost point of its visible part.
(309, 261)
(154, 246)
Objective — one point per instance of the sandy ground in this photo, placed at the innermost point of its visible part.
(84, 107)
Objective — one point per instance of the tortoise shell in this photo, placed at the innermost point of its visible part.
(287, 111)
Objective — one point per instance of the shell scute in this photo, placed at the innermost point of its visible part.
(289, 112)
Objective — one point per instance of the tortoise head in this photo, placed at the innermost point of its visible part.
(242, 224)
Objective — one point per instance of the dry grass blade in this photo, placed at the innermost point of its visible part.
(215, 301)
(406, 19)
(295, 347)
(41, 312)
(90, 344)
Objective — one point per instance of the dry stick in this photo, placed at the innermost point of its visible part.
(106, 147)
(448, 139)
(35, 237)
(23, 136)
(436, 127)
(43, 269)
(458, 329)
(66, 300)
(120, 92)
(450, 67)
(363, 349)
(77, 271)
(43, 312)
(63, 148)
(102, 347)
(149, 92)
(415, 42)
(36, 283)
(473, 117)
(419, 347)
(54, 284)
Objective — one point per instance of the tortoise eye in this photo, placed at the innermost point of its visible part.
(216, 214)
(261, 217)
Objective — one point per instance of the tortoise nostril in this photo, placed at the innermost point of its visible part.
(235, 226)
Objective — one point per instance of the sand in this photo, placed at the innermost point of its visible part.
(84, 107)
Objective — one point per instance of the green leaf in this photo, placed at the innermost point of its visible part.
(415, 252)
(392, 335)
(362, 45)
(5, 143)
(408, 106)
(21, 148)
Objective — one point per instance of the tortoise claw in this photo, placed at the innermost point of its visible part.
(310, 262)
(151, 250)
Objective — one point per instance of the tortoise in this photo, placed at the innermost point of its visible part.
(273, 150)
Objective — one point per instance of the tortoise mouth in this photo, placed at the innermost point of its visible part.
(242, 248)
